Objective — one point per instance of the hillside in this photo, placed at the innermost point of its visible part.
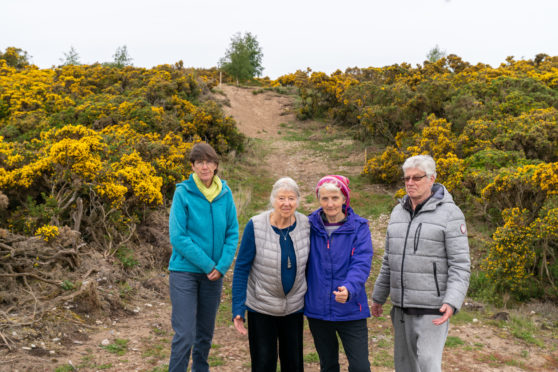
(136, 334)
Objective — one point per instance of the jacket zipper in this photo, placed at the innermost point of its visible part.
(436, 278)
(212, 232)
(330, 239)
(403, 264)
(417, 237)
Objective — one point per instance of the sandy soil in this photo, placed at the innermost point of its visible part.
(147, 331)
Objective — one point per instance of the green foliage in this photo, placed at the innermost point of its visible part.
(65, 368)
(67, 285)
(483, 288)
(453, 341)
(125, 290)
(126, 257)
(369, 204)
(462, 317)
(109, 142)
(118, 347)
(522, 328)
(311, 358)
(492, 131)
(15, 57)
(215, 361)
(435, 54)
(386, 167)
(70, 58)
(164, 368)
(382, 358)
(492, 159)
(522, 257)
(121, 58)
(243, 58)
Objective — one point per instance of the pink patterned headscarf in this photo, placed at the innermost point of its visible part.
(340, 181)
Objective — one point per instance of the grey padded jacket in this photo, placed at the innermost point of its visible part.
(426, 261)
(264, 292)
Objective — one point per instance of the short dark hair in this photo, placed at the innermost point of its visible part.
(203, 151)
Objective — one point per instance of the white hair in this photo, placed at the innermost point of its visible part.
(423, 162)
(285, 184)
(330, 186)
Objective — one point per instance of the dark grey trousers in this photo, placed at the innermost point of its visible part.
(418, 342)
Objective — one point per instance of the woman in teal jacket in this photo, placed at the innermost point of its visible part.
(204, 234)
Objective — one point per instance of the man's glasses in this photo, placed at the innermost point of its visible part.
(414, 178)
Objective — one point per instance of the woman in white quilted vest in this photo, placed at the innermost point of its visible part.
(269, 281)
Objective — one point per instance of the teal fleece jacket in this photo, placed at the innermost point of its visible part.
(203, 235)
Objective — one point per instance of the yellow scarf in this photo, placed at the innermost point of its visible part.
(212, 191)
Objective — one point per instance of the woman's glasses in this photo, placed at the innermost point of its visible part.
(207, 163)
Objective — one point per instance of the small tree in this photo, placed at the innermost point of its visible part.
(243, 59)
(15, 57)
(70, 58)
(435, 54)
(121, 57)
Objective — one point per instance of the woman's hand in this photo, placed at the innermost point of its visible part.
(341, 295)
(239, 325)
(214, 275)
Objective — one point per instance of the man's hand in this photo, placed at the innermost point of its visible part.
(239, 325)
(377, 309)
(447, 311)
(214, 275)
(341, 295)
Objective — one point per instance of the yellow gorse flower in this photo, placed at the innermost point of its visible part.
(47, 232)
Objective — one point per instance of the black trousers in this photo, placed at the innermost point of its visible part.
(353, 335)
(264, 331)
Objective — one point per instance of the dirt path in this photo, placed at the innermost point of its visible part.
(141, 342)
(269, 118)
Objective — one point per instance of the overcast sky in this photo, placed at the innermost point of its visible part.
(324, 35)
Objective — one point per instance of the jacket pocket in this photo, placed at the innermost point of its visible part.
(436, 278)
(417, 237)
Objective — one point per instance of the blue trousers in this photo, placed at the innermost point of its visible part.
(353, 335)
(195, 300)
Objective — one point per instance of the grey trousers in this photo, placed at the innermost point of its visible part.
(418, 342)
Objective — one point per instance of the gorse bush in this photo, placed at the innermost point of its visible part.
(493, 133)
(97, 147)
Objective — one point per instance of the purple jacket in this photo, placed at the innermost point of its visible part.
(342, 259)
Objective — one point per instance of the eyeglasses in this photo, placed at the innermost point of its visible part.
(201, 163)
(414, 178)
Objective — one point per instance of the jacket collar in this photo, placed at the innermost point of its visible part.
(439, 195)
(317, 223)
(190, 186)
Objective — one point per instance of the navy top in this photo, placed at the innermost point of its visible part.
(245, 257)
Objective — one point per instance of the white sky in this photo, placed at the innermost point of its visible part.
(324, 35)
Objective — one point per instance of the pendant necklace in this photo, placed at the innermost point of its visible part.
(281, 231)
(289, 264)
(286, 234)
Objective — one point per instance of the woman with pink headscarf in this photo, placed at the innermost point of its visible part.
(338, 267)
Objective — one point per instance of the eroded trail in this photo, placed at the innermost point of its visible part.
(269, 117)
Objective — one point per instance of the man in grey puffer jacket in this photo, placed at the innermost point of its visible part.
(425, 270)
